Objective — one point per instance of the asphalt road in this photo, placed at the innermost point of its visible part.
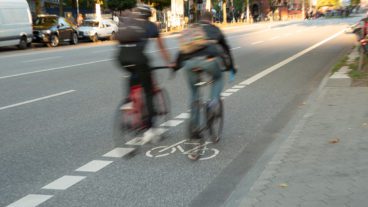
(57, 105)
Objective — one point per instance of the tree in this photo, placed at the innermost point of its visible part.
(118, 5)
(355, 2)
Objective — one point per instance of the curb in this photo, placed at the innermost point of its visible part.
(341, 78)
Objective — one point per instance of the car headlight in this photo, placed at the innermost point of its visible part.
(92, 32)
(46, 31)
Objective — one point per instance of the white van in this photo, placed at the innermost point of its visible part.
(15, 23)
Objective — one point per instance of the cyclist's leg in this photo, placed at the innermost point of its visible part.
(192, 79)
(145, 78)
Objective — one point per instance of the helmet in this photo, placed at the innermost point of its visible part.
(142, 11)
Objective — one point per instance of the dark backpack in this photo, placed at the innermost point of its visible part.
(131, 30)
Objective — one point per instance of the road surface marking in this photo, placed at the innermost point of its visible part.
(41, 59)
(288, 60)
(232, 90)
(63, 183)
(137, 141)
(37, 99)
(183, 116)
(119, 152)
(31, 200)
(225, 94)
(94, 166)
(273, 38)
(52, 69)
(239, 86)
(235, 48)
(256, 43)
(172, 123)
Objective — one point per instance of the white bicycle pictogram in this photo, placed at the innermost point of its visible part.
(162, 151)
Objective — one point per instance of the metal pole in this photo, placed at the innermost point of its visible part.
(77, 9)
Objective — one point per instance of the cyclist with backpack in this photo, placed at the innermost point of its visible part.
(203, 46)
(134, 33)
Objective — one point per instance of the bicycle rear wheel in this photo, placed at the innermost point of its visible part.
(127, 125)
(215, 121)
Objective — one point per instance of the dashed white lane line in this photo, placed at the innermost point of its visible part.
(118, 152)
(286, 61)
(52, 69)
(37, 99)
(64, 182)
(238, 86)
(232, 90)
(171, 123)
(183, 116)
(258, 42)
(225, 94)
(94, 166)
(137, 141)
(41, 59)
(31, 200)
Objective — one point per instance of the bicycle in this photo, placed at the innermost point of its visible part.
(211, 118)
(129, 123)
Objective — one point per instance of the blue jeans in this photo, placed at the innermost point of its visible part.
(211, 67)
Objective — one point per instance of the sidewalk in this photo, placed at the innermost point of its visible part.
(324, 162)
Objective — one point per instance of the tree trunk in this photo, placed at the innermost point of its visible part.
(224, 14)
(61, 8)
(248, 12)
(38, 7)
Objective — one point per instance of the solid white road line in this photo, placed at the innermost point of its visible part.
(183, 116)
(64, 182)
(225, 94)
(235, 48)
(258, 42)
(37, 99)
(276, 37)
(52, 69)
(94, 166)
(288, 60)
(172, 123)
(232, 90)
(239, 86)
(118, 152)
(41, 59)
(31, 200)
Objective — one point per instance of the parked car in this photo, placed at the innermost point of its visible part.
(15, 23)
(94, 30)
(52, 29)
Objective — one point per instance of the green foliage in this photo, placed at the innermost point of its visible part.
(215, 5)
(158, 4)
(238, 5)
(330, 3)
(118, 5)
(355, 2)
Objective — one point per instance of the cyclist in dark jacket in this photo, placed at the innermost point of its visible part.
(134, 60)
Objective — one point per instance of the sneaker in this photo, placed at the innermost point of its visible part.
(196, 153)
(127, 106)
(151, 135)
